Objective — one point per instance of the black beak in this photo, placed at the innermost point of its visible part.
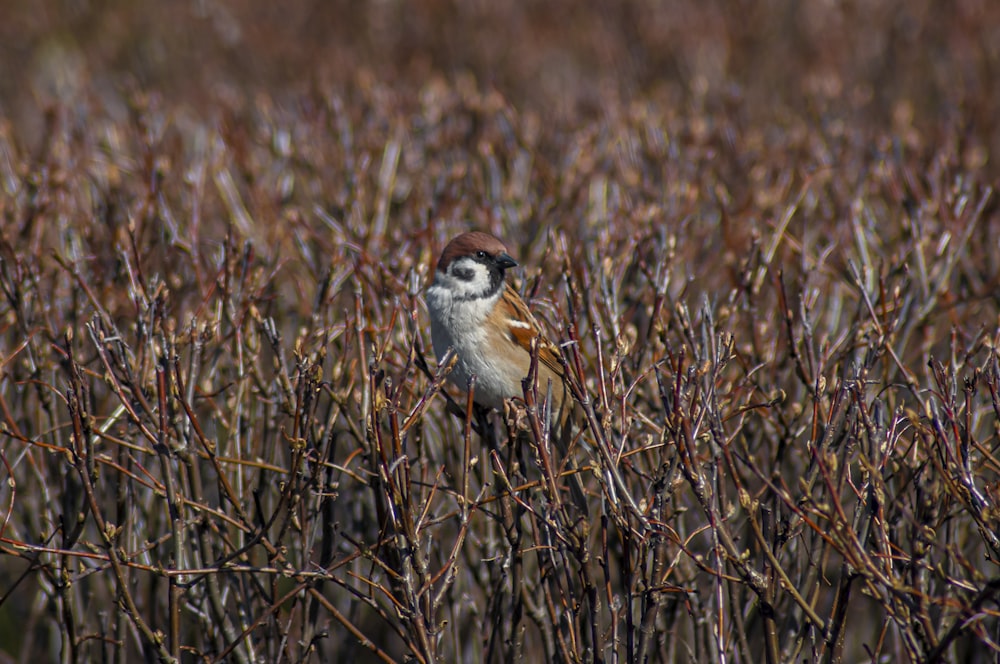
(504, 261)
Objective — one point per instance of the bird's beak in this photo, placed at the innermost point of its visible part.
(504, 261)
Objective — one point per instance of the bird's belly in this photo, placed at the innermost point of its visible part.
(495, 380)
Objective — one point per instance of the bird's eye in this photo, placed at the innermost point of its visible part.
(481, 254)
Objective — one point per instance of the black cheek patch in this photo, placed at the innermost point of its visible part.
(463, 273)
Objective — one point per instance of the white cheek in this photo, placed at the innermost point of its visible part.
(466, 289)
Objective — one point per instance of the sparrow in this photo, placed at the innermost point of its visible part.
(474, 311)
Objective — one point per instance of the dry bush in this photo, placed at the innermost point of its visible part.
(224, 437)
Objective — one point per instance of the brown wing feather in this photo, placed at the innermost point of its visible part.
(524, 334)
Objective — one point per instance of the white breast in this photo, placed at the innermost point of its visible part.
(461, 324)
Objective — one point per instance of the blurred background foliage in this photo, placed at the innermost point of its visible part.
(901, 65)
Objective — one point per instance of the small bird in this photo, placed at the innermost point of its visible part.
(477, 313)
